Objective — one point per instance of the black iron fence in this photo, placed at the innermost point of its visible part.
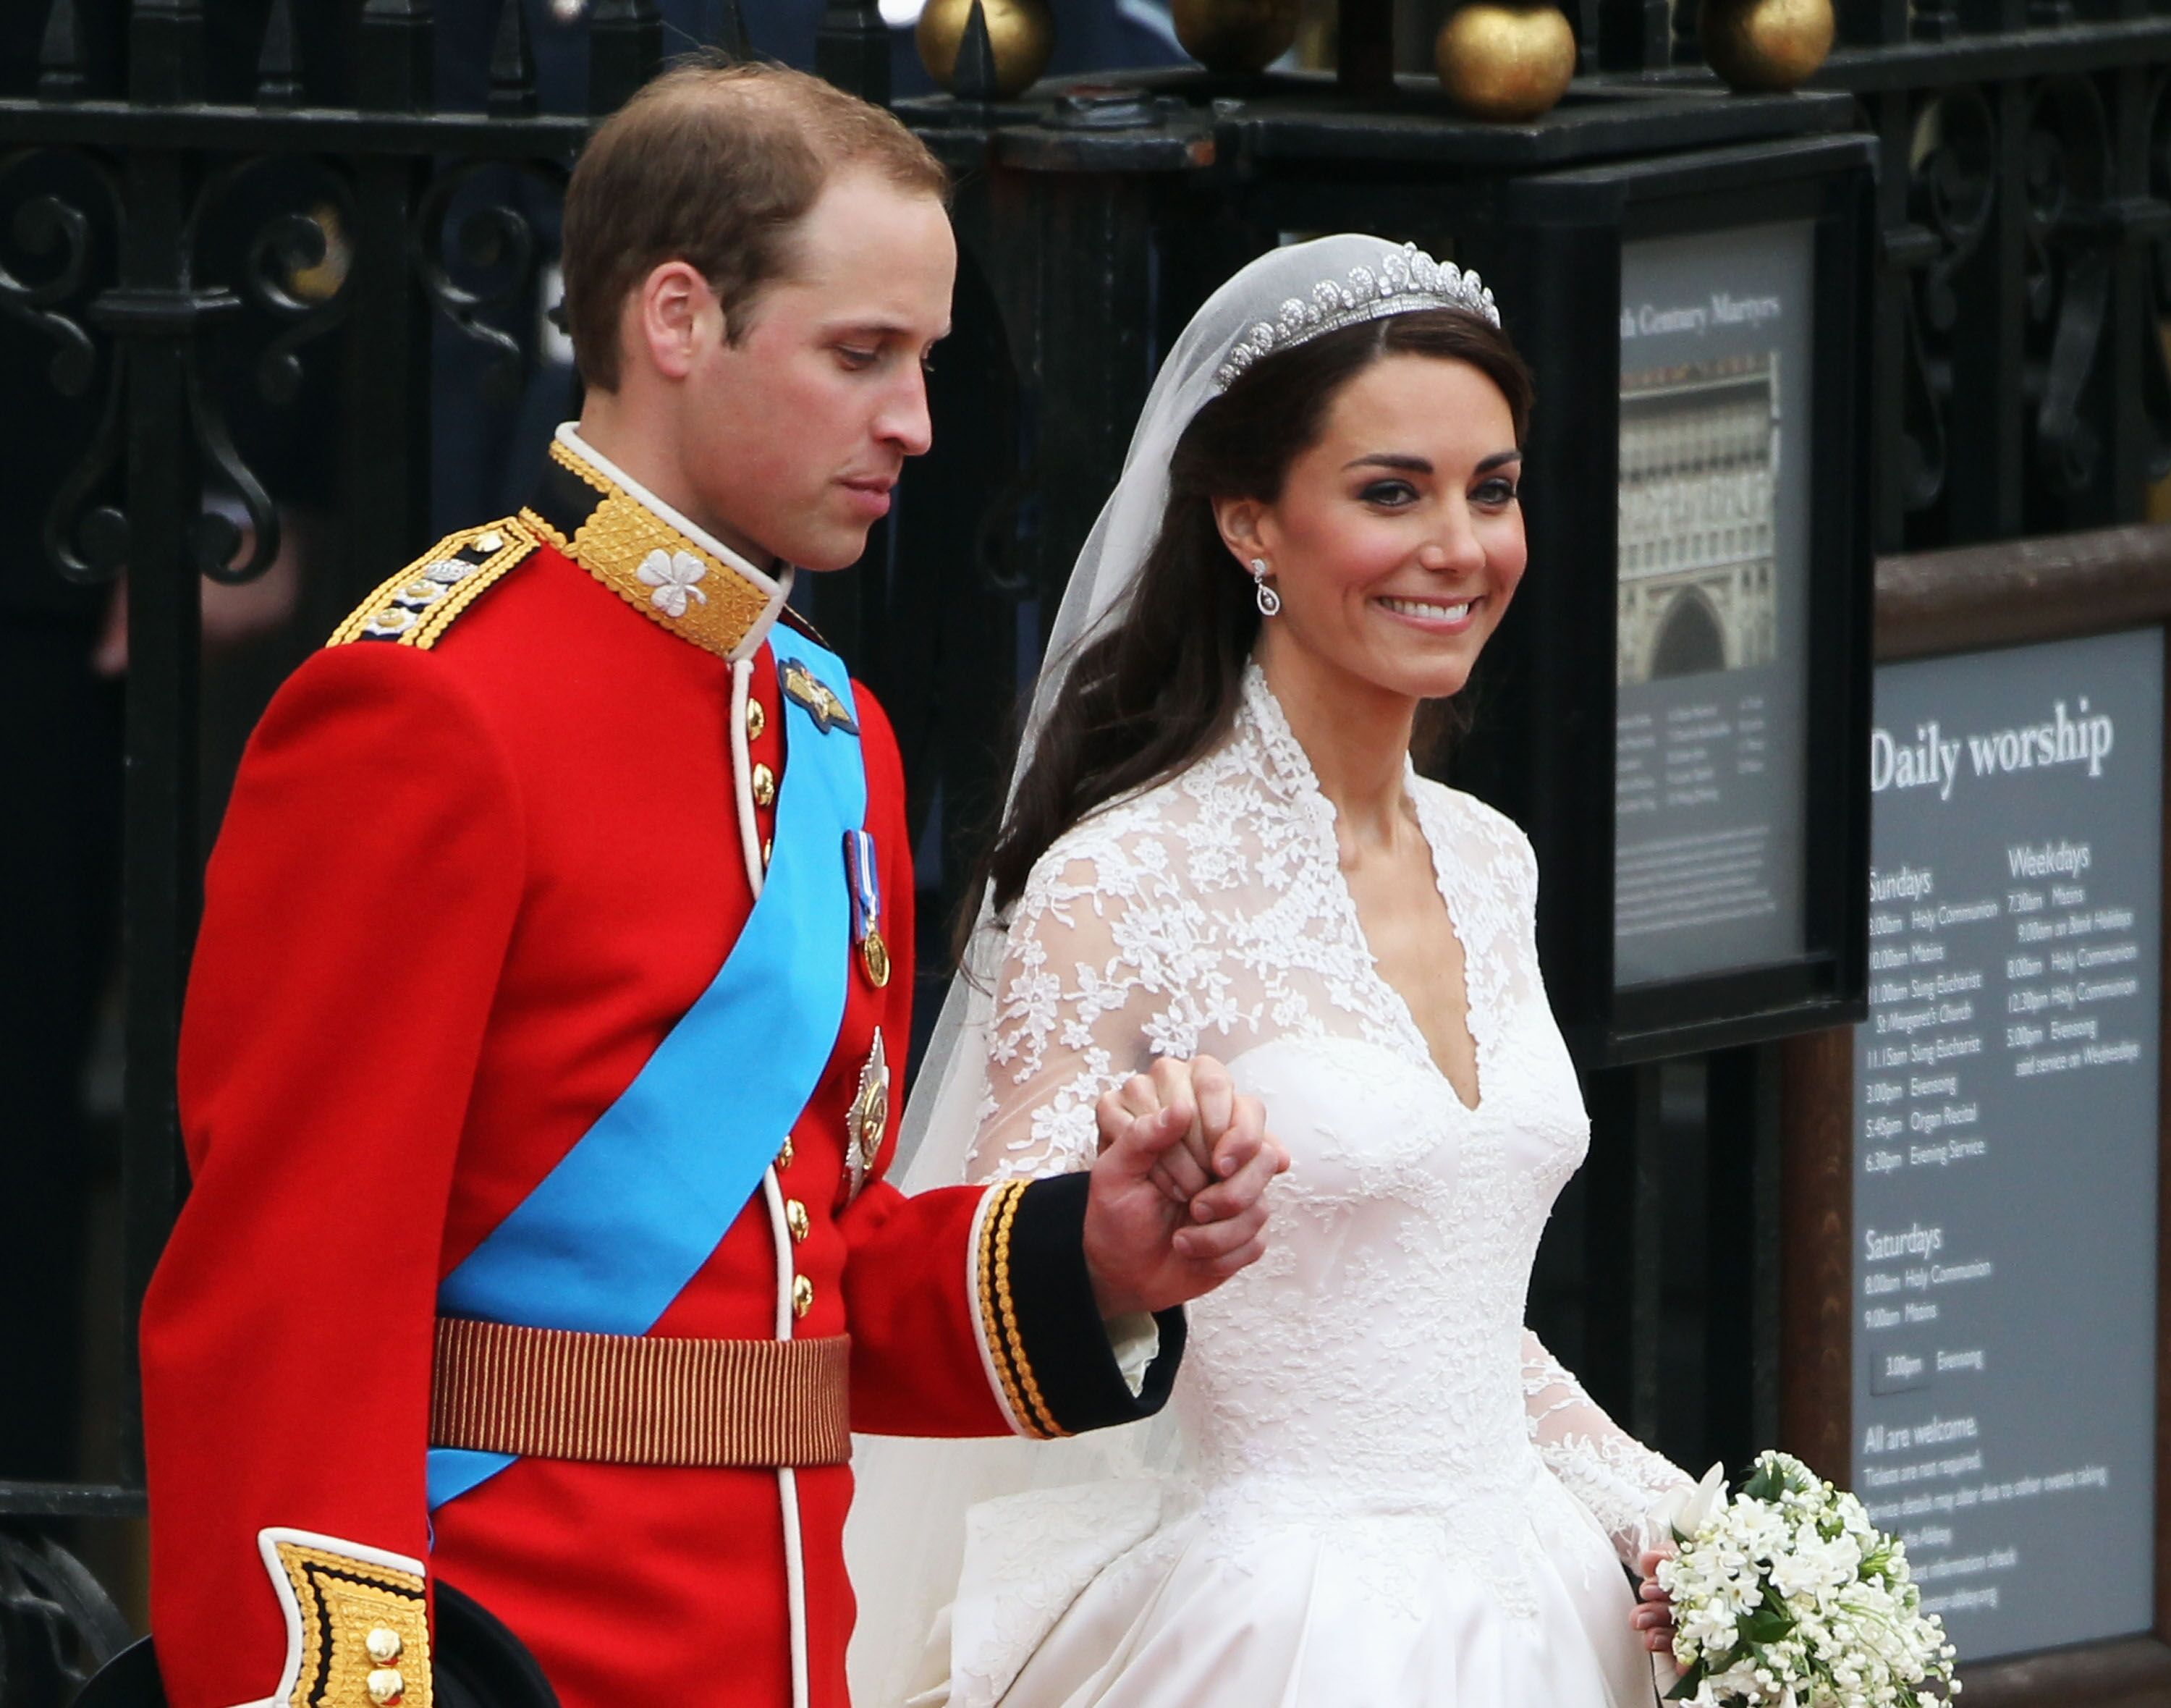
(289, 325)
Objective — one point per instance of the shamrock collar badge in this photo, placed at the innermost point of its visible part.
(674, 576)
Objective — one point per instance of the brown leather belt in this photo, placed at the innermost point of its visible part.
(633, 1399)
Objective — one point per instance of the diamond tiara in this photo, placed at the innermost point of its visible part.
(1406, 280)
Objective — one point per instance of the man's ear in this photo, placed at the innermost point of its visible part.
(668, 317)
(1239, 520)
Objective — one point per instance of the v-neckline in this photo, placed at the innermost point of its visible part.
(1286, 753)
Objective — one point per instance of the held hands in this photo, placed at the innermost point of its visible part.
(1177, 1204)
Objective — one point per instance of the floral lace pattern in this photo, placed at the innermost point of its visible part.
(1373, 1365)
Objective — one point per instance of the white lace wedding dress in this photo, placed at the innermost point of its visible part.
(1389, 1493)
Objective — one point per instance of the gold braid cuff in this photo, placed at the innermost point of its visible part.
(998, 1323)
(364, 1630)
(635, 1399)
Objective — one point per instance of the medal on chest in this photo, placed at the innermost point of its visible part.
(868, 1118)
(866, 907)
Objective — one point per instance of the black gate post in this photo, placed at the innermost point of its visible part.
(386, 401)
(153, 315)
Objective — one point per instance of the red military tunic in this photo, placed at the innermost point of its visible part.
(470, 879)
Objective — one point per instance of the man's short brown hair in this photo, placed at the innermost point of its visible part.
(714, 164)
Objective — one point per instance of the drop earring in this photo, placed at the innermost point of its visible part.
(1270, 602)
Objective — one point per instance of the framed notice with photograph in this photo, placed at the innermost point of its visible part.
(1685, 673)
(1973, 1261)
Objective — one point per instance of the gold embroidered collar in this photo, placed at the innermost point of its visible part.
(673, 572)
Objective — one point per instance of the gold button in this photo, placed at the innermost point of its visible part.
(764, 785)
(386, 1687)
(784, 1156)
(383, 1646)
(802, 1296)
(767, 847)
(796, 1218)
(757, 720)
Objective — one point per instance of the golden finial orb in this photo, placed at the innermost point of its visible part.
(1235, 36)
(1765, 45)
(1503, 60)
(1022, 32)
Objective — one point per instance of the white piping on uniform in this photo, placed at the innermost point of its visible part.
(787, 1480)
(741, 774)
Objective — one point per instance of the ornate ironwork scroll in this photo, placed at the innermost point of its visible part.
(2070, 245)
(1952, 191)
(49, 225)
(493, 237)
(57, 1626)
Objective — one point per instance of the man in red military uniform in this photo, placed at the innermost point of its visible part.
(537, 1074)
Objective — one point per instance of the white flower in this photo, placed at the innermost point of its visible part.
(1845, 1636)
(673, 575)
(1686, 1509)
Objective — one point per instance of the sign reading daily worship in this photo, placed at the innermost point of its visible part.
(1712, 630)
(2005, 1137)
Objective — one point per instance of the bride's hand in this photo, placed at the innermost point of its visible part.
(1145, 1249)
(1653, 1618)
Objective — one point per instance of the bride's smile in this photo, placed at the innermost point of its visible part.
(1397, 540)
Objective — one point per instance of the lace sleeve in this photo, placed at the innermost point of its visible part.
(1609, 1470)
(1084, 999)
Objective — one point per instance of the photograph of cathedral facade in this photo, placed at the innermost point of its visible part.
(1699, 460)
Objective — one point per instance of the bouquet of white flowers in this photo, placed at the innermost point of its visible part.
(1789, 1597)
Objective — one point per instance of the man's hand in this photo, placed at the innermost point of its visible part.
(1201, 1091)
(1149, 1245)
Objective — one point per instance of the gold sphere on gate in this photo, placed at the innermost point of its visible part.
(1505, 61)
(1021, 32)
(1765, 45)
(1235, 36)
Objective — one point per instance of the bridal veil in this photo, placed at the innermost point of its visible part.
(904, 1540)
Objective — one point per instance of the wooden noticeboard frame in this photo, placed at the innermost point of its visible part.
(1927, 606)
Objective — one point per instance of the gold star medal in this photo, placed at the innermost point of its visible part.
(868, 1118)
(866, 906)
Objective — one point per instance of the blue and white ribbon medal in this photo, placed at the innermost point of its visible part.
(866, 906)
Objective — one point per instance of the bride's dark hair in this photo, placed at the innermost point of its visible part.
(1158, 685)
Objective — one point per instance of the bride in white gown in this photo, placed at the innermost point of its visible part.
(1374, 1487)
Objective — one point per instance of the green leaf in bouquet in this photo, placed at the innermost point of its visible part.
(1767, 1483)
(1687, 1684)
(1767, 1624)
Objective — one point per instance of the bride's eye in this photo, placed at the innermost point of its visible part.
(1391, 494)
(1495, 493)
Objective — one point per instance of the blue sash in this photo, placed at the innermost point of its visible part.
(612, 1235)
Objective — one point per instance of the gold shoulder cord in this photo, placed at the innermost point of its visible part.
(365, 1632)
(418, 604)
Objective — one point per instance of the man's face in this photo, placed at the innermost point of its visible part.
(791, 438)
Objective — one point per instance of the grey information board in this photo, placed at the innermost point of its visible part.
(2004, 1161)
(1712, 586)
